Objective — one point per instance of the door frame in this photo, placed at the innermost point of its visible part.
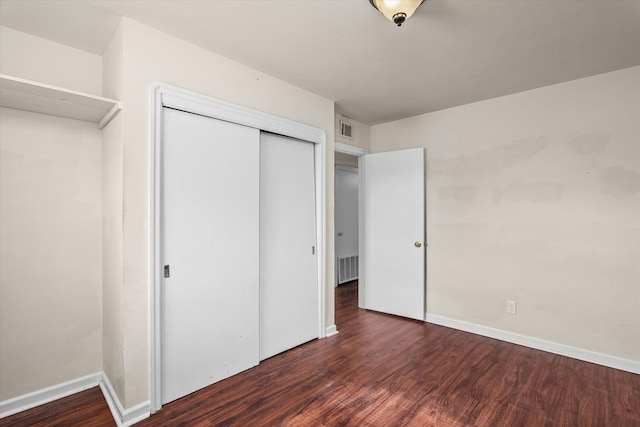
(358, 152)
(164, 95)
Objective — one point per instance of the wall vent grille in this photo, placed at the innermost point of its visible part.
(346, 129)
(347, 269)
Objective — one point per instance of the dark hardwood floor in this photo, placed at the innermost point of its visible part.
(87, 408)
(382, 370)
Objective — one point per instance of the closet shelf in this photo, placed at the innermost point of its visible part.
(42, 98)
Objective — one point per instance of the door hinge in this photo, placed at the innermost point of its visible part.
(313, 250)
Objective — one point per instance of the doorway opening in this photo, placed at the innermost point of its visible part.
(346, 219)
(347, 225)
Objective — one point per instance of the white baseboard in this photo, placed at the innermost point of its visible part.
(49, 394)
(123, 417)
(330, 330)
(537, 343)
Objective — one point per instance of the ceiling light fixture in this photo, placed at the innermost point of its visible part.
(397, 11)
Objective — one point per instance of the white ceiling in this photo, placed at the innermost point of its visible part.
(451, 52)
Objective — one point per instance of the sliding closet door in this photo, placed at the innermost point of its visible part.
(288, 278)
(210, 205)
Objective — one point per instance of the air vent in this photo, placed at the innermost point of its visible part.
(347, 269)
(346, 129)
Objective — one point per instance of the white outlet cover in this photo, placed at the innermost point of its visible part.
(512, 307)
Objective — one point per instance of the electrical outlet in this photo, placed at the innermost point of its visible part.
(511, 307)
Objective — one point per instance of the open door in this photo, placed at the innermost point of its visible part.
(393, 253)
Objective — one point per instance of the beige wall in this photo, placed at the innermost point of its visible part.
(535, 197)
(113, 296)
(50, 225)
(50, 253)
(361, 139)
(151, 56)
(361, 133)
(348, 160)
(33, 58)
(136, 58)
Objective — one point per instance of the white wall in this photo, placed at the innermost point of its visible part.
(50, 225)
(150, 56)
(50, 251)
(33, 58)
(535, 197)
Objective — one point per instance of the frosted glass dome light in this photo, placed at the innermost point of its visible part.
(397, 11)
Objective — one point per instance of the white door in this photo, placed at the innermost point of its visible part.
(288, 267)
(346, 225)
(393, 253)
(210, 206)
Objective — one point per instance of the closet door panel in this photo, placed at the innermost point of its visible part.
(288, 267)
(210, 205)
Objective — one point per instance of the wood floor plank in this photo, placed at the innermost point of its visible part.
(383, 370)
(87, 408)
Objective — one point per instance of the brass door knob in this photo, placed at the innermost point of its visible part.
(418, 244)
